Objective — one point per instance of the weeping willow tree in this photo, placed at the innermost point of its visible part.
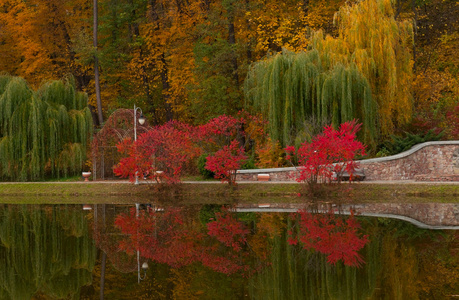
(290, 87)
(44, 252)
(364, 73)
(43, 132)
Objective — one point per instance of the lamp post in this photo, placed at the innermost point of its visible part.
(145, 264)
(141, 122)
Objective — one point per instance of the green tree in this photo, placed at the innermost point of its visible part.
(365, 73)
(43, 132)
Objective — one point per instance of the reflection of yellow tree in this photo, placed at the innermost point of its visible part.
(400, 269)
(439, 267)
(269, 226)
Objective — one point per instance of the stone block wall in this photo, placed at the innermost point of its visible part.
(431, 161)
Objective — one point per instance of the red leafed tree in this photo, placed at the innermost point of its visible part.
(330, 153)
(166, 148)
(220, 131)
(226, 161)
(332, 235)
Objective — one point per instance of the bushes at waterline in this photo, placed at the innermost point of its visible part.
(328, 156)
(42, 133)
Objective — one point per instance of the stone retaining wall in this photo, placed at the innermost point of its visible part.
(431, 161)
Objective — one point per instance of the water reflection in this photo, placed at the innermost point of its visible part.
(210, 252)
(44, 252)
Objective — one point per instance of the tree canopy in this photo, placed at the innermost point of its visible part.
(363, 74)
(43, 132)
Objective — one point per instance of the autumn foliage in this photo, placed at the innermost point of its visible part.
(164, 148)
(226, 161)
(168, 237)
(173, 147)
(332, 235)
(329, 155)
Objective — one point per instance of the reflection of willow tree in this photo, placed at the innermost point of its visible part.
(402, 262)
(418, 263)
(297, 273)
(44, 252)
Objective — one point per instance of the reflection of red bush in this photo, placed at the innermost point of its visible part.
(228, 231)
(167, 238)
(332, 235)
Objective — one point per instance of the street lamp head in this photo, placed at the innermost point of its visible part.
(145, 266)
(142, 119)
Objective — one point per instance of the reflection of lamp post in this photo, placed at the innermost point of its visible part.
(145, 264)
(144, 268)
(141, 122)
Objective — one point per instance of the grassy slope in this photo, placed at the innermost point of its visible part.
(216, 193)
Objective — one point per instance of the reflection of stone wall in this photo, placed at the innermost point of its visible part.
(431, 214)
(435, 214)
(431, 161)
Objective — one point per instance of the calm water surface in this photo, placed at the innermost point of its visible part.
(214, 252)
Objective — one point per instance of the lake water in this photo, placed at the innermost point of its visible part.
(215, 252)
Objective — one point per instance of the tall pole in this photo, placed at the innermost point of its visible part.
(135, 140)
(135, 123)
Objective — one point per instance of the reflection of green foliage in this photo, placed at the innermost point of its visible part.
(247, 217)
(207, 212)
(44, 251)
(405, 230)
(296, 273)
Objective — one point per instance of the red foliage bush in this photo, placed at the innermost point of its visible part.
(165, 148)
(170, 147)
(226, 161)
(330, 153)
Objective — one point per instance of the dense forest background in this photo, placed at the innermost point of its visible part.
(188, 60)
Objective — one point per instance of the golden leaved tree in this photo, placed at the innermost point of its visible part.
(364, 73)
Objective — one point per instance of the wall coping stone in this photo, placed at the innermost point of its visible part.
(408, 152)
(271, 170)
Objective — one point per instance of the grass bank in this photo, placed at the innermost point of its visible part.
(49, 192)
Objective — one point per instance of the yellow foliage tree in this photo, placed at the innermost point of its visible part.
(380, 46)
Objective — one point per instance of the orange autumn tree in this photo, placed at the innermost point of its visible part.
(40, 39)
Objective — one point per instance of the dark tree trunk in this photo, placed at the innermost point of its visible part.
(232, 42)
(102, 274)
(96, 66)
(166, 86)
